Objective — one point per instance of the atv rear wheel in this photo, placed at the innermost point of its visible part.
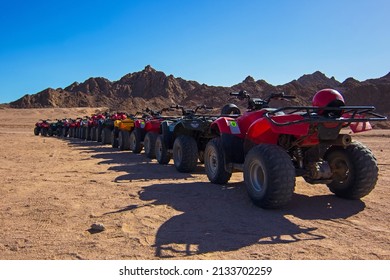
(44, 131)
(162, 155)
(99, 134)
(93, 133)
(214, 162)
(124, 140)
(88, 133)
(106, 136)
(135, 141)
(114, 139)
(36, 131)
(185, 153)
(355, 171)
(59, 132)
(269, 176)
(149, 145)
(83, 132)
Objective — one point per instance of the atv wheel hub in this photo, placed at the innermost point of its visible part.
(257, 176)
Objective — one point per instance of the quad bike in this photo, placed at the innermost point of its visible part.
(97, 127)
(88, 130)
(273, 146)
(37, 128)
(59, 128)
(120, 135)
(82, 128)
(65, 127)
(53, 129)
(146, 131)
(42, 127)
(184, 138)
(74, 124)
(108, 126)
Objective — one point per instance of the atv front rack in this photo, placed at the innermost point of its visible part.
(343, 114)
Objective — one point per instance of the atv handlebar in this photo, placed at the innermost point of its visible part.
(280, 95)
(242, 94)
(204, 107)
(191, 111)
(258, 103)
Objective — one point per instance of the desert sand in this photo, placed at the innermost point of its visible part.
(52, 190)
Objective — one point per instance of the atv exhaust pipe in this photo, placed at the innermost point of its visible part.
(341, 140)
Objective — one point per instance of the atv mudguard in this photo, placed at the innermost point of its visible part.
(153, 125)
(126, 124)
(264, 131)
(167, 130)
(236, 142)
(226, 125)
(116, 123)
(231, 138)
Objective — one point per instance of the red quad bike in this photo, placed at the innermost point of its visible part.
(37, 128)
(82, 130)
(97, 127)
(65, 127)
(73, 126)
(42, 127)
(146, 131)
(273, 146)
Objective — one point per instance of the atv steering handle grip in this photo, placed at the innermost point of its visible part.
(289, 96)
(241, 94)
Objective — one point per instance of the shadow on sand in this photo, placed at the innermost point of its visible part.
(135, 166)
(222, 218)
(217, 218)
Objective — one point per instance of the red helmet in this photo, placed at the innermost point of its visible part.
(328, 98)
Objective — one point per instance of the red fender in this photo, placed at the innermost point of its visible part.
(226, 125)
(264, 131)
(153, 125)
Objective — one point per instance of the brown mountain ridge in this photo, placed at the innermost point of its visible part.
(154, 89)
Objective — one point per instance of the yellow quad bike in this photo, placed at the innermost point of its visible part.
(120, 136)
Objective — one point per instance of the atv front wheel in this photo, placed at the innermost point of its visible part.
(99, 134)
(106, 136)
(269, 176)
(135, 141)
(214, 162)
(162, 155)
(36, 131)
(93, 133)
(185, 153)
(123, 140)
(114, 139)
(149, 145)
(355, 171)
(88, 134)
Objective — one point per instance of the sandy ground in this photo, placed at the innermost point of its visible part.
(52, 190)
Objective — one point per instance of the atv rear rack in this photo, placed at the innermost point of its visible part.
(352, 114)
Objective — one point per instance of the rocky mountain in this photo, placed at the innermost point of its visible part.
(154, 89)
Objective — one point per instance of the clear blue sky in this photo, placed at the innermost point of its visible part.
(218, 42)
